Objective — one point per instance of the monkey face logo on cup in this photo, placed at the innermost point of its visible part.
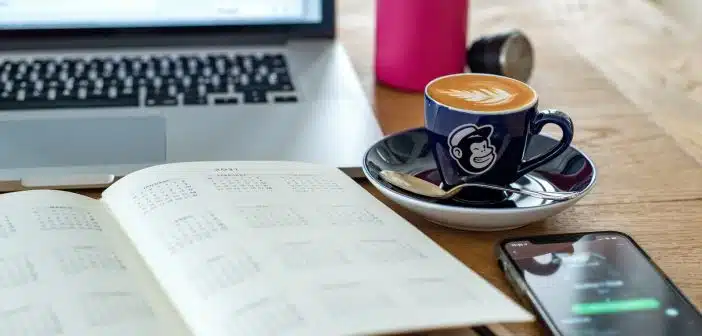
(481, 153)
(480, 126)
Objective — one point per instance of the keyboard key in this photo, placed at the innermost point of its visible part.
(255, 97)
(226, 101)
(161, 100)
(286, 99)
(194, 100)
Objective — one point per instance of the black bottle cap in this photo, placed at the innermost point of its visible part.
(507, 54)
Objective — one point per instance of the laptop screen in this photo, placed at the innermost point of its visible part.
(77, 14)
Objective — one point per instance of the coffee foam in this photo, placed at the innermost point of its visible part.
(486, 96)
(481, 93)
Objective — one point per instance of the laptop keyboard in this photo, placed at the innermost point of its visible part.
(172, 80)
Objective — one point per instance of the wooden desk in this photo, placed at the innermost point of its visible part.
(626, 75)
(615, 67)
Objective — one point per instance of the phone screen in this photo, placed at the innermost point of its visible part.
(602, 285)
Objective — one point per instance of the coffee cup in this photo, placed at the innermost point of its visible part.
(480, 126)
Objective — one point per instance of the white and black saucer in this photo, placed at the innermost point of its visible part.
(409, 152)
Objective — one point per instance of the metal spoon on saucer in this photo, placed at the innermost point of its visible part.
(424, 188)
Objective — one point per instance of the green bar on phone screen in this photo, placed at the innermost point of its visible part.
(608, 307)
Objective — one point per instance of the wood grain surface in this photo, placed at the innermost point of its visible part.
(630, 78)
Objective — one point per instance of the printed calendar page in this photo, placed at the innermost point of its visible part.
(289, 247)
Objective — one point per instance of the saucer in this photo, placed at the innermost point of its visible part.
(409, 152)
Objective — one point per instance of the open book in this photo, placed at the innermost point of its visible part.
(229, 248)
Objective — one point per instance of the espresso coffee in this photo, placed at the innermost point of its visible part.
(480, 127)
(481, 92)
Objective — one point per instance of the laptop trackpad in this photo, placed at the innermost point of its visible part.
(82, 141)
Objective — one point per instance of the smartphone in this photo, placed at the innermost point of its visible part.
(596, 284)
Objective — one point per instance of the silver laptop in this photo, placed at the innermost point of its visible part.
(92, 90)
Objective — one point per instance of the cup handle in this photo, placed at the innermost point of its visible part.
(542, 118)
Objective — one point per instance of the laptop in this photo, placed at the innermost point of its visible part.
(93, 90)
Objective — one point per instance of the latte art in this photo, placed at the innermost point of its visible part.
(490, 96)
(481, 92)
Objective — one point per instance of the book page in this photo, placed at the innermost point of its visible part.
(58, 272)
(256, 248)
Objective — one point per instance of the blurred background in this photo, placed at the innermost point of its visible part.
(688, 12)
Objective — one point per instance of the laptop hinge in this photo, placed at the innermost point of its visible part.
(148, 41)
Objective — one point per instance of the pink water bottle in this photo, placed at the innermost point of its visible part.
(419, 40)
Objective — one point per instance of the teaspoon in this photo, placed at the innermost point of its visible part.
(424, 188)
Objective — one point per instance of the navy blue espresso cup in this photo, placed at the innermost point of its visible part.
(480, 125)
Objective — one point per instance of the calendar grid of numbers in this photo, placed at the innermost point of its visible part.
(234, 181)
(305, 254)
(222, 272)
(30, 321)
(268, 317)
(163, 193)
(264, 216)
(54, 218)
(78, 259)
(16, 271)
(6, 227)
(192, 229)
(310, 183)
(349, 215)
(108, 308)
